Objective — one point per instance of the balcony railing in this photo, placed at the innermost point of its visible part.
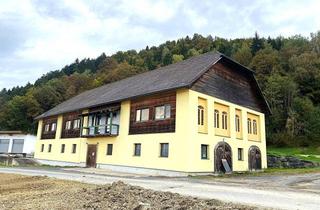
(101, 130)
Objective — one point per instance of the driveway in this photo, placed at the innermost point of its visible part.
(281, 191)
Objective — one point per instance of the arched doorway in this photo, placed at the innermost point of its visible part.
(254, 158)
(222, 151)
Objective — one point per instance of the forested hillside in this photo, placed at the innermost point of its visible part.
(288, 70)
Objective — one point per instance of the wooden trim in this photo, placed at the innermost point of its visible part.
(70, 133)
(227, 82)
(49, 134)
(153, 125)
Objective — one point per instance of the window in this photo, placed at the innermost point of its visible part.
(240, 153)
(204, 151)
(63, 147)
(249, 126)
(68, 125)
(42, 148)
(109, 149)
(224, 120)
(164, 150)
(137, 150)
(237, 121)
(50, 147)
(163, 112)
(142, 115)
(76, 124)
(216, 118)
(47, 127)
(254, 127)
(200, 115)
(53, 126)
(74, 148)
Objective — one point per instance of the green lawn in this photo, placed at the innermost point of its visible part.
(304, 153)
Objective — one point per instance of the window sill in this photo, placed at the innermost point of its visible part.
(220, 135)
(255, 140)
(203, 132)
(162, 119)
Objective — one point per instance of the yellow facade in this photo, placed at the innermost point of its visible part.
(202, 115)
(238, 123)
(222, 119)
(184, 143)
(254, 132)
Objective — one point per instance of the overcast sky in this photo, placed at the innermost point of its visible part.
(43, 35)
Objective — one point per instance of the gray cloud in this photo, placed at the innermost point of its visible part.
(42, 35)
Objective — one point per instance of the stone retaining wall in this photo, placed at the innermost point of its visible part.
(288, 162)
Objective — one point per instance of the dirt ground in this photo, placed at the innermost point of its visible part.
(26, 192)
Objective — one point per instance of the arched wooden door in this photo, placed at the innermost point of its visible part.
(222, 151)
(254, 158)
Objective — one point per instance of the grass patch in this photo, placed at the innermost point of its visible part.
(291, 170)
(266, 172)
(303, 153)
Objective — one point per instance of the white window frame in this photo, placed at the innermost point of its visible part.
(139, 114)
(166, 112)
(47, 127)
(53, 126)
(68, 125)
(76, 124)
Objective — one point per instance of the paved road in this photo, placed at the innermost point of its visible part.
(227, 191)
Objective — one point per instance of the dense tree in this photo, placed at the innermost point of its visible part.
(288, 70)
(243, 55)
(257, 44)
(177, 58)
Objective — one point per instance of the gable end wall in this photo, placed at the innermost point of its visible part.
(230, 84)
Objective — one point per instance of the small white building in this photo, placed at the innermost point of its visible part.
(16, 142)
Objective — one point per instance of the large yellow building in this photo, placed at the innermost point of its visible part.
(201, 115)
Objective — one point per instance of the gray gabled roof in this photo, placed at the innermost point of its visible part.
(174, 76)
(178, 75)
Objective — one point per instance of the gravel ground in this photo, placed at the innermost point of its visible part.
(35, 192)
